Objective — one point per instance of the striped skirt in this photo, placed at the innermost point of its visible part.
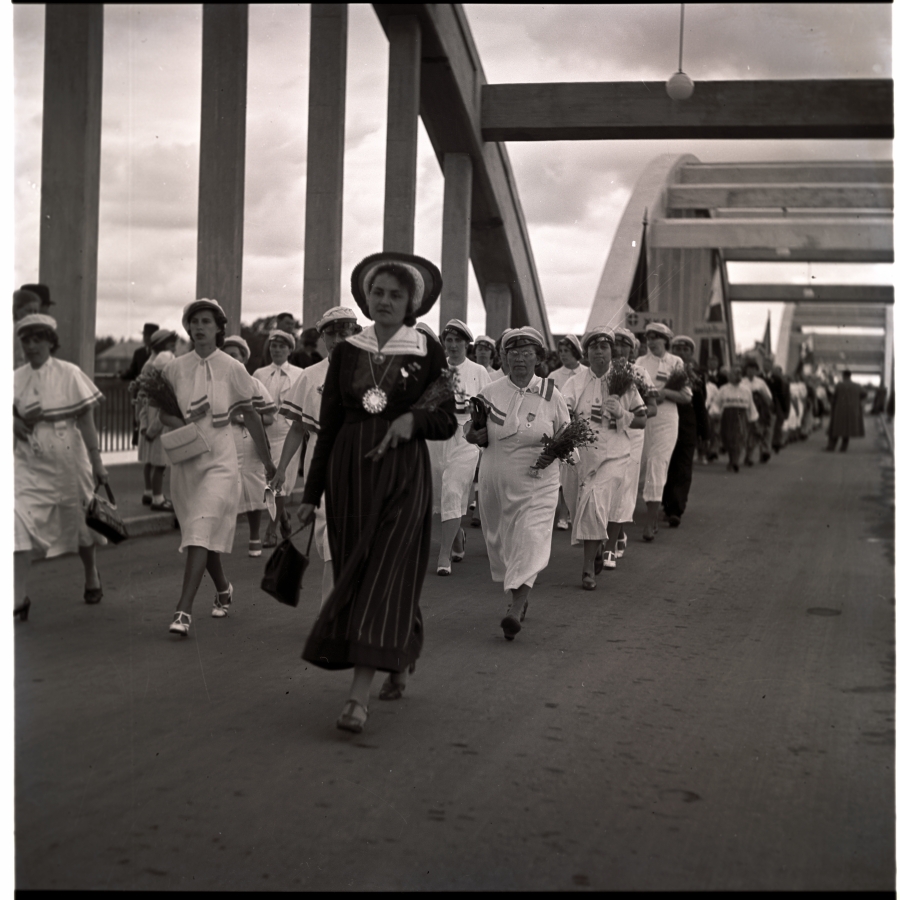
(379, 532)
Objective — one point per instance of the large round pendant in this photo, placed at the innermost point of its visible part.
(374, 400)
(379, 358)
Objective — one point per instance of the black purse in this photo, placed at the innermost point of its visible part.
(283, 577)
(103, 517)
(478, 412)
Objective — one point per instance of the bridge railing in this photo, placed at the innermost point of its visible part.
(114, 416)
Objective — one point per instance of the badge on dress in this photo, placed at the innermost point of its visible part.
(374, 400)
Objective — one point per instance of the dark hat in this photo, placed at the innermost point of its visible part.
(150, 327)
(425, 275)
(22, 297)
(42, 291)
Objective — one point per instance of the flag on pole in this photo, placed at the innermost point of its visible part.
(767, 335)
(638, 298)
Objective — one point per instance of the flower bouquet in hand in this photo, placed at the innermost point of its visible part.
(445, 387)
(159, 392)
(568, 438)
(677, 380)
(620, 377)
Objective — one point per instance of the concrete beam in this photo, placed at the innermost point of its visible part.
(498, 309)
(806, 254)
(325, 159)
(793, 293)
(404, 34)
(801, 212)
(451, 80)
(70, 173)
(880, 171)
(223, 124)
(457, 226)
(776, 196)
(873, 234)
(849, 108)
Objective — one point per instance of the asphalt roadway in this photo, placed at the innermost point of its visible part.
(719, 714)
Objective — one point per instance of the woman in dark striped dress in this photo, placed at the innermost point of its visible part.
(372, 464)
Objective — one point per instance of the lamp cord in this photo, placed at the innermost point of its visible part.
(681, 39)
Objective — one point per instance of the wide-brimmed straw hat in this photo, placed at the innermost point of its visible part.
(34, 321)
(235, 340)
(196, 305)
(460, 327)
(600, 333)
(425, 275)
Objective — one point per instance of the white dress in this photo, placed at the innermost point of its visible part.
(253, 470)
(279, 381)
(453, 462)
(602, 469)
(53, 476)
(206, 490)
(662, 430)
(517, 509)
(303, 404)
(562, 375)
(636, 441)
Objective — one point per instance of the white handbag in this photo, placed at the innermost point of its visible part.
(183, 443)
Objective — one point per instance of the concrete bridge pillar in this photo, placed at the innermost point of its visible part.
(455, 239)
(325, 159)
(404, 70)
(70, 173)
(497, 308)
(223, 120)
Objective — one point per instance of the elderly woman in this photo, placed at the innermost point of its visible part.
(279, 378)
(302, 407)
(372, 464)
(150, 449)
(734, 404)
(252, 467)
(210, 387)
(662, 430)
(518, 502)
(453, 462)
(57, 459)
(602, 469)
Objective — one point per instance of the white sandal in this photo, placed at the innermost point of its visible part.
(181, 623)
(221, 606)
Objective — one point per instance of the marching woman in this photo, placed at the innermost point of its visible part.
(57, 459)
(734, 404)
(209, 387)
(626, 346)
(571, 354)
(453, 462)
(371, 462)
(253, 469)
(150, 449)
(602, 469)
(518, 483)
(662, 430)
(302, 407)
(279, 378)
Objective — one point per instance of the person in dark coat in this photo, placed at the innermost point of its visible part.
(693, 426)
(846, 413)
(780, 389)
(138, 358)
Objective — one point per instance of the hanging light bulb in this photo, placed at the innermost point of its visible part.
(680, 86)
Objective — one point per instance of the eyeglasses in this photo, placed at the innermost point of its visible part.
(521, 352)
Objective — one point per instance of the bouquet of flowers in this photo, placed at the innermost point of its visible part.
(620, 377)
(677, 380)
(568, 438)
(159, 392)
(442, 389)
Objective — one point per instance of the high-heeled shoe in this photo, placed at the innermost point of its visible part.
(458, 557)
(443, 570)
(354, 717)
(21, 611)
(93, 595)
(222, 602)
(621, 544)
(181, 623)
(511, 626)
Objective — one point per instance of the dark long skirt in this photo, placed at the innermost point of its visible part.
(679, 478)
(379, 531)
(734, 432)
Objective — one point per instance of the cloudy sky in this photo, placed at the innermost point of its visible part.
(573, 193)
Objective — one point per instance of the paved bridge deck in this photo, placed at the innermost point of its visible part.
(719, 714)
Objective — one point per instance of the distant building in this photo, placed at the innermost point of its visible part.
(116, 358)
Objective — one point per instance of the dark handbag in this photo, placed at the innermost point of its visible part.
(103, 517)
(478, 411)
(283, 577)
